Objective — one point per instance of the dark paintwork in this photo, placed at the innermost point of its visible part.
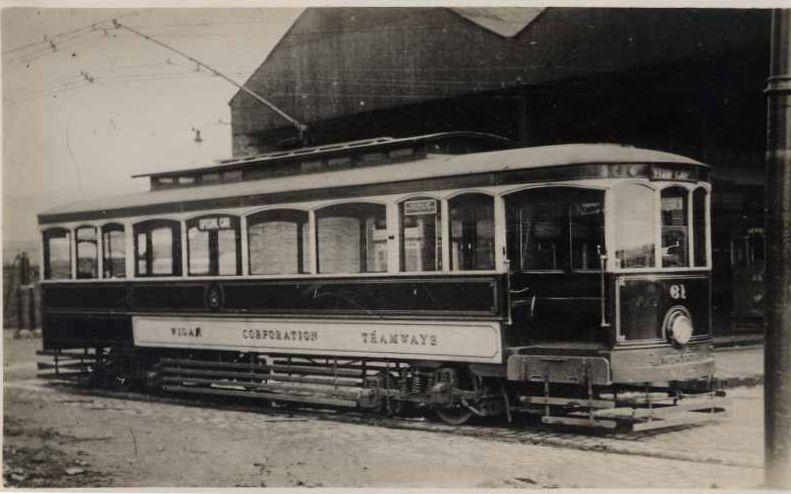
(424, 296)
(645, 301)
(76, 314)
(78, 330)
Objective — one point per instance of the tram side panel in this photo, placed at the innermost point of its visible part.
(422, 318)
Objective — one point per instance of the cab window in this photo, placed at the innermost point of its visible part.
(675, 227)
(558, 228)
(634, 226)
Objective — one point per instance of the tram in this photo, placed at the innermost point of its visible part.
(453, 273)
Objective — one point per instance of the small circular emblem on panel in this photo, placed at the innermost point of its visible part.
(213, 297)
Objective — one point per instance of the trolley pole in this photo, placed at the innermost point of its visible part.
(777, 361)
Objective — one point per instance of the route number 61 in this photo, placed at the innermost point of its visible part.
(678, 291)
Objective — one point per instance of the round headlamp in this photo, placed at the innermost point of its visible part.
(678, 325)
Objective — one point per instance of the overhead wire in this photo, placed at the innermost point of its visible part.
(89, 27)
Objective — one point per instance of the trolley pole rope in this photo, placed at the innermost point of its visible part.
(777, 361)
(301, 127)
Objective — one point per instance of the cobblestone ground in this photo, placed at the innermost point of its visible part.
(126, 443)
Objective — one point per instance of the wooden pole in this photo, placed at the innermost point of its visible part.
(777, 360)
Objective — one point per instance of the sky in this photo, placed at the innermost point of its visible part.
(84, 108)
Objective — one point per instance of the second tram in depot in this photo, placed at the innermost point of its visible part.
(452, 273)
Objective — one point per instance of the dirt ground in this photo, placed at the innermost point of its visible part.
(56, 438)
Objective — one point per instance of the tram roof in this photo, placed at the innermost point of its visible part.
(434, 166)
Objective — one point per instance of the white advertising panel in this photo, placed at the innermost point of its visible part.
(419, 340)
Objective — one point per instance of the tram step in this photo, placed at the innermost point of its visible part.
(313, 400)
(703, 405)
(555, 400)
(580, 422)
(290, 369)
(79, 355)
(255, 374)
(346, 393)
(682, 419)
(63, 365)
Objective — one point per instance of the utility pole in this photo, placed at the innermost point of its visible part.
(777, 359)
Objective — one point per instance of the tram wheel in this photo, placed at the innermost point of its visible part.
(454, 415)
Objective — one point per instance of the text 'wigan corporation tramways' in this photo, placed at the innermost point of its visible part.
(479, 341)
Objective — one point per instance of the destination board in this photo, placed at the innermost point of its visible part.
(461, 341)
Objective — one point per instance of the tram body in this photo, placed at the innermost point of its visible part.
(449, 271)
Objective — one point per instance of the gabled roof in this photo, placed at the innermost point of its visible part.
(505, 21)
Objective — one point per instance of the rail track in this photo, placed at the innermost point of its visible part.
(523, 429)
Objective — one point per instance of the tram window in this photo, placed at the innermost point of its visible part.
(158, 248)
(674, 227)
(634, 226)
(542, 226)
(57, 254)
(561, 229)
(352, 238)
(276, 241)
(113, 251)
(586, 231)
(471, 232)
(699, 225)
(213, 246)
(87, 252)
(421, 235)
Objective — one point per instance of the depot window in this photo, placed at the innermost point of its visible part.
(352, 238)
(277, 241)
(699, 226)
(675, 227)
(214, 246)
(421, 235)
(113, 251)
(471, 232)
(560, 228)
(158, 248)
(57, 254)
(87, 252)
(634, 226)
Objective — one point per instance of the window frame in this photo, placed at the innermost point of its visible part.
(109, 228)
(77, 242)
(567, 265)
(47, 235)
(319, 214)
(303, 239)
(449, 237)
(686, 200)
(657, 188)
(214, 244)
(146, 227)
(439, 237)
